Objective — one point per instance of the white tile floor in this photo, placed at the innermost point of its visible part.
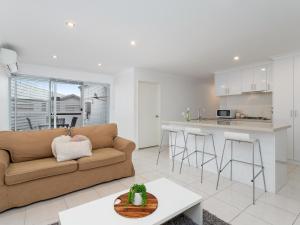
(232, 202)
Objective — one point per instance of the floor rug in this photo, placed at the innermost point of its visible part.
(208, 219)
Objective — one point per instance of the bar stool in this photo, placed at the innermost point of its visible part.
(197, 132)
(243, 138)
(172, 131)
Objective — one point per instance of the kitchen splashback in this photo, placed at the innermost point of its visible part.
(254, 104)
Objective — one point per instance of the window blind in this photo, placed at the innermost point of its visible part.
(29, 103)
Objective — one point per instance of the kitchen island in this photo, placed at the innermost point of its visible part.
(273, 138)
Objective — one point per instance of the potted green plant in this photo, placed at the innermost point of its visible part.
(137, 195)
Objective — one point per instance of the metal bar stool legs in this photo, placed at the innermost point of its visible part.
(160, 146)
(253, 142)
(198, 133)
(172, 131)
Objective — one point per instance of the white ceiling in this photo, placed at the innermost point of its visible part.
(188, 37)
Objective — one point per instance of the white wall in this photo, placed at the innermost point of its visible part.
(4, 109)
(4, 98)
(208, 100)
(123, 104)
(177, 93)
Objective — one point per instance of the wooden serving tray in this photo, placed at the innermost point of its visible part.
(132, 211)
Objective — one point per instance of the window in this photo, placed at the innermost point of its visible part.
(35, 102)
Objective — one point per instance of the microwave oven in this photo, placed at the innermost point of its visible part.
(226, 113)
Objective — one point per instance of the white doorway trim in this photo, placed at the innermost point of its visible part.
(158, 106)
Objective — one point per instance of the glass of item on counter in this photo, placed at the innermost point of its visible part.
(187, 114)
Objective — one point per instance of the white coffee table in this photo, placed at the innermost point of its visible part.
(172, 201)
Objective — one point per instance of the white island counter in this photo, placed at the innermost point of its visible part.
(273, 140)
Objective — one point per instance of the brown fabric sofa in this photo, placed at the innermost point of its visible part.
(30, 173)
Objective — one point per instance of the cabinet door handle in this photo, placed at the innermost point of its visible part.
(295, 113)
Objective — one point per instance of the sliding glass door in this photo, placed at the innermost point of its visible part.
(95, 103)
(66, 104)
(39, 103)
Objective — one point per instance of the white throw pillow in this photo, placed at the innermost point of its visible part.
(73, 150)
(59, 139)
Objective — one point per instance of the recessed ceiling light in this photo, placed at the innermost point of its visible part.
(133, 43)
(236, 58)
(54, 57)
(263, 69)
(99, 64)
(70, 24)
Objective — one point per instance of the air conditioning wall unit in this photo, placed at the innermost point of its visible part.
(9, 59)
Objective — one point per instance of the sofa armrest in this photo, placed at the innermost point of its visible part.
(4, 162)
(124, 145)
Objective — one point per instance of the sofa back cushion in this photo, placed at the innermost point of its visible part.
(101, 136)
(29, 145)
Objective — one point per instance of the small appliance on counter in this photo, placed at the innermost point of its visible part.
(226, 113)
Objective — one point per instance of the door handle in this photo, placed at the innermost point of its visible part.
(156, 116)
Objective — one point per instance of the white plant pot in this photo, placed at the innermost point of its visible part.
(138, 200)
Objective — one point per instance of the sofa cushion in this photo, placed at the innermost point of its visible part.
(31, 170)
(101, 136)
(101, 157)
(29, 145)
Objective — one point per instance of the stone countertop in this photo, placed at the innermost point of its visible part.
(260, 126)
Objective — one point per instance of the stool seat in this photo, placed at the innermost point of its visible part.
(235, 136)
(196, 131)
(172, 128)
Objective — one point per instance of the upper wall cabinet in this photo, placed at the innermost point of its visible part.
(257, 79)
(221, 85)
(269, 78)
(254, 79)
(247, 80)
(228, 83)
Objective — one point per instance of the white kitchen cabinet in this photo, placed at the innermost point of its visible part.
(221, 85)
(297, 108)
(283, 95)
(269, 79)
(260, 78)
(255, 79)
(228, 83)
(247, 80)
(234, 83)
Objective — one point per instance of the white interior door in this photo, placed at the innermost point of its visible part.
(148, 114)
